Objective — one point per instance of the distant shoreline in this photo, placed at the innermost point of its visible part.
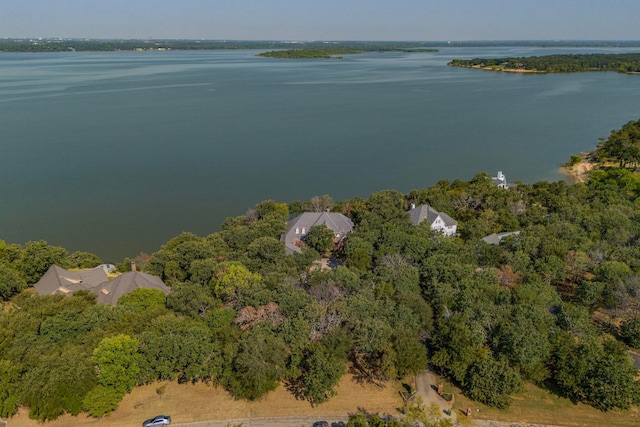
(55, 44)
(506, 70)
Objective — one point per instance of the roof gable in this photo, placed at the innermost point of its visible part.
(423, 213)
(111, 291)
(59, 280)
(299, 226)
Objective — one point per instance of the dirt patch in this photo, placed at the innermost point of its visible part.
(579, 171)
(188, 403)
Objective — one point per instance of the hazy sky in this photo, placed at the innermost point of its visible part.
(324, 19)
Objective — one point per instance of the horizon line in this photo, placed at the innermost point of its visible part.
(314, 40)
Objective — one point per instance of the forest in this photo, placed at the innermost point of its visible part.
(557, 305)
(570, 63)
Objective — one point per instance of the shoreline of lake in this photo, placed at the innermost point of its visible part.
(115, 153)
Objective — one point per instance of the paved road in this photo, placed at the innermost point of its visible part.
(273, 422)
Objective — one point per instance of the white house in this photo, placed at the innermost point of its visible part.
(439, 221)
(501, 181)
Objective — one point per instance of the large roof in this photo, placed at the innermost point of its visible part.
(111, 291)
(426, 212)
(299, 226)
(57, 280)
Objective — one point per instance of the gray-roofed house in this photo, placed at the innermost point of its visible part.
(501, 181)
(439, 221)
(57, 280)
(496, 238)
(298, 227)
(110, 291)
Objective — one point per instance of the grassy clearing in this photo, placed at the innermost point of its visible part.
(188, 403)
(536, 405)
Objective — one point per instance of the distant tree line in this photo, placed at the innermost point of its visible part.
(79, 45)
(570, 63)
(64, 45)
(335, 52)
(246, 316)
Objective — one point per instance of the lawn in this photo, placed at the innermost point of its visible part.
(537, 405)
(188, 403)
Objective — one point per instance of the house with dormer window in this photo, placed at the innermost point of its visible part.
(439, 221)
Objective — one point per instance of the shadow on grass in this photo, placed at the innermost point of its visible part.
(554, 389)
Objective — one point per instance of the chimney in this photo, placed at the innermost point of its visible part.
(133, 266)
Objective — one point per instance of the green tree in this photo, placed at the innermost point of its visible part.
(358, 253)
(101, 401)
(192, 300)
(322, 373)
(320, 238)
(11, 282)
(233, 279)
(9, 378)
(630, 331)
(599, 373)
(143, 299)
(259, 365)
(116, 360)
(174, 347)
(457, 347)
(56, 382)
(492, 382)
(411, 354)
(37, 257)
(82, 260)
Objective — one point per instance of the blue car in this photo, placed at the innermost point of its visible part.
(159, 421)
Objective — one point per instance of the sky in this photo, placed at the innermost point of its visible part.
(306, 20)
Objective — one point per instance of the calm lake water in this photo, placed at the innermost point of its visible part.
(115, 153)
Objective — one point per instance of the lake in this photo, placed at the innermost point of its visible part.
(116, 152)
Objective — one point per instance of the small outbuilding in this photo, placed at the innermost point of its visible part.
(496, 238)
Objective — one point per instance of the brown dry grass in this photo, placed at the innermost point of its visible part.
(539, 406)
(189, 403)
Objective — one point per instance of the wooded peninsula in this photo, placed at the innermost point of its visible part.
(539, 285)
(570, 63)
(336, 52)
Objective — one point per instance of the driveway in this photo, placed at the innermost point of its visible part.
(426, 387)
